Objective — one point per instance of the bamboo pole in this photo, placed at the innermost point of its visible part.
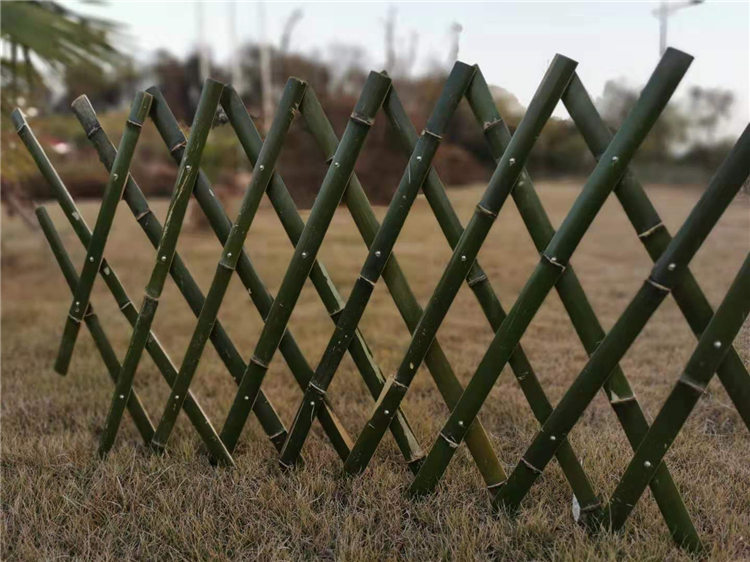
(503, 179)
(712, 347)
(618, 391)
(179, 272)
(111, 197)
(553, 261)
(667, 270)
(480, 285)
(175, 140)
(262, 173)
(293, 224)
(186, 177)
(655, 237)
(193, 410)
(135, 406)
(330, 194)
(418, 165)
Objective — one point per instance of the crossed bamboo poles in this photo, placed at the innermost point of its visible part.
(688, 294)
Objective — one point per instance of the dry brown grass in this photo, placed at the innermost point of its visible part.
(59, 500)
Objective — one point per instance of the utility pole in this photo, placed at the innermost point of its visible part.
(266, 84)
(663, 12)
(204, 66)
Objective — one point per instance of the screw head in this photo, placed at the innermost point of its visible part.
(304, 254)
(461, 423)
(419, 158)
(378, 253)
(247, 397)
(615, 159)
(512, 161)
(552, 438)
(463, 258)
(717, 344)
(336, 164)
(164, 258)
(386, 412)
(261, 167)
(647, 464)
(672, 266)
(91, 259)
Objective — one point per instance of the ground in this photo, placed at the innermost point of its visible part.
(60, 500)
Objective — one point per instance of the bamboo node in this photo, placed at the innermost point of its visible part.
(320, 391)
(488, 125)
(74, 319)
(91, 132)
(142, 214)
(477, 279)
(690, 383)
(658, 285)
(178, 146)
(371, 282)
(362, 119)
(134, 123)
(451, 443)
(257, 361)
(649, 231)
(530, 466)
(497, 484)
(486, 211)
(426, 131)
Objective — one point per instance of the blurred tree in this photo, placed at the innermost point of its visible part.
(37, 34)
(708, 108)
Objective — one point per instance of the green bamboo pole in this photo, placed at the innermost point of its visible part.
(328, 198)
(179, 272)
(553, 260)
(503, 179)
(262, 173)
(655, 238)
(175, 140)
(667, 270)
(111, 197)
(186, 177)
(193, 410)
(712, 346)
(618, 391)
(480, 285)
(379, 252)
(293, 224)
(135, 406)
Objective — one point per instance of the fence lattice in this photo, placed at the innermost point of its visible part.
(613, 152)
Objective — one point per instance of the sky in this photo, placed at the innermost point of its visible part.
(512, 42)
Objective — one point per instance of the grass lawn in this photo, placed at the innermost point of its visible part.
(60, 501)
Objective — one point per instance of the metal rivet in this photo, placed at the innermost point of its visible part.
(247, 397)
(261, 167)
(229, 254)
(411, 365)
(463, 258)
(419, 158)
(78, 302)
(114, 176)
(717, 344)
(647, 464)
(615, 159)
(512, 161)
(122, 397)
(164, 258)
(188, 167)
(91, 259)
(336, 164)
(304, 254)
(552, 438)
(461, 423)
(176, 396)
(672, 266)
(312, 403)
(377, 253)
(386, 412)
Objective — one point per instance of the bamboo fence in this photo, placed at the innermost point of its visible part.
(613, 152)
